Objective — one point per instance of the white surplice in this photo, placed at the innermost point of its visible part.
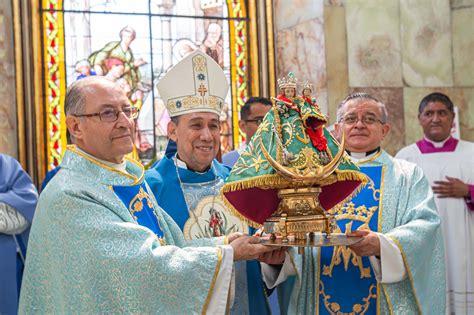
(456, 219)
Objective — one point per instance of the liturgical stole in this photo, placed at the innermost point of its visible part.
(347, 282)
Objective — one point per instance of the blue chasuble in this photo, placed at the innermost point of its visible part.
(200, 212)
(340, 266)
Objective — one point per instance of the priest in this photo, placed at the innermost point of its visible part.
(398, 268)
(101, 244)
(187, 184)
(449, 165)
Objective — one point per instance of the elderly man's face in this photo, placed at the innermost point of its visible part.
(105, 140)
(436, 121)
(197, 136)
(362, 126)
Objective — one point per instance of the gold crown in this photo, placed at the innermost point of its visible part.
(289, 81)
(351, 212)
(307, 85)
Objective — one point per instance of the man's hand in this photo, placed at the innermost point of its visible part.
(249, 247)
(277, 257)
(233, 236)
(453, 188)
(369, 246)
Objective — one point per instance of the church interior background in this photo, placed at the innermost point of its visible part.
(396, 50)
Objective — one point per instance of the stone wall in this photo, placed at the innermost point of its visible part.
(397, 50)
(8, 113)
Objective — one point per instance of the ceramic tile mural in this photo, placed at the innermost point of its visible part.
(337, 72)
(426, 43)
(373, 43)
(301, 49)
(393, 100)
(8, 123)
(463, 46)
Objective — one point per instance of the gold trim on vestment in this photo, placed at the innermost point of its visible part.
(377, 309)
(371, 158)
(407, 267)
(389, 303)
(137, 180)
(213, 282)
(382, 181)
(318, 279)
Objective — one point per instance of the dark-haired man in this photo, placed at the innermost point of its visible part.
(187, 183)
(449, 166)
(251, 115)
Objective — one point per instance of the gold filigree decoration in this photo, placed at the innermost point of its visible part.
(375, 192)
(136, 205)
(287, 128)
(350, 212)
(347, 256)
(335, 308)
(303, 139)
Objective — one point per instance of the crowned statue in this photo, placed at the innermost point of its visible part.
(292, 172)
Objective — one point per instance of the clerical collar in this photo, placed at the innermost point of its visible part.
(122, 167)
(438, 144)
(182, 164)
(362, 155)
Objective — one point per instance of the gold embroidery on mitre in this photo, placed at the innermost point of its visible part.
(201, 99)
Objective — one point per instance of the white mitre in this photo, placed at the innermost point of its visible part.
(196, 84)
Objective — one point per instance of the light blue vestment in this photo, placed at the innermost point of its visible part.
(397, 202)
(88, 255)
(250, 293)
(17, 191)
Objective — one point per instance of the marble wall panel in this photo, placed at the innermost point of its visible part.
(8, 121)
(336, 57)
(455, 4)
(301, 49)
(426, 43)
(463, 46)
(463, 98)
(393, 100)
(290, 13)
(373, 40)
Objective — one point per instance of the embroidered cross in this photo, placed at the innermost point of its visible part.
(202, 89)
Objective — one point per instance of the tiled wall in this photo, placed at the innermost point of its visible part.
(396, 50)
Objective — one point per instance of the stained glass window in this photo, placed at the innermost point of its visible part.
(134, 43)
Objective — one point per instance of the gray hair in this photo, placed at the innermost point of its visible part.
(359, 97)
(75, 100)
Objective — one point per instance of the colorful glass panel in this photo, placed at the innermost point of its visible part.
(134, 44)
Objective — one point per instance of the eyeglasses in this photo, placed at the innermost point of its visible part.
(111, 115)
(257, 120)
(366, 120)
